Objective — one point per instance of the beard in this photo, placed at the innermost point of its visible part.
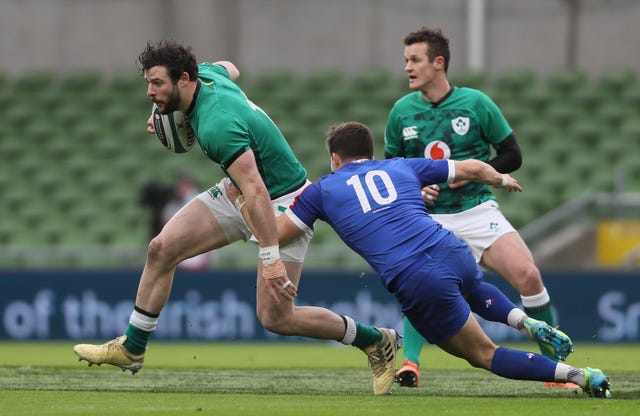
(173, 103)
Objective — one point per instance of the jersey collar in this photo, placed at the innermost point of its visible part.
(193, 100)
(444, 98)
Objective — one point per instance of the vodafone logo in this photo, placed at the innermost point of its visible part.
(437, 150)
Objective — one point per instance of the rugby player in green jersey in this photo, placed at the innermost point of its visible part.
(238, 136)
(441, 121)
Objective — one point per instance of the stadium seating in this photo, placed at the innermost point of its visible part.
(516, 80)
(75, 154)
(34, 81)
(616, 81)
(537, 99)
(471, 79)
(566, 82)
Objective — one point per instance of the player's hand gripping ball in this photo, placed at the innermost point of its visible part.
(173, 130)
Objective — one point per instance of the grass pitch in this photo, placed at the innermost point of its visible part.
(291, 379)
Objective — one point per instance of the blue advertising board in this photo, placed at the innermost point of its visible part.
(220, 304)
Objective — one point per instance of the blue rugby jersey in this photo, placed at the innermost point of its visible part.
(376, 207)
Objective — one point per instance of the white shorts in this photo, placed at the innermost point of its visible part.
(235, 228)
(479, 226)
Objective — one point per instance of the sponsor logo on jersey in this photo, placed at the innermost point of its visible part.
(437, 150)
(460, 125)
(409, 133)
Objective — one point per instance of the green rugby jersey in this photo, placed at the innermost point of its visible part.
(227, 124)
(465, 124)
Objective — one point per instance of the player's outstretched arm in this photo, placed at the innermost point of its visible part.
(478, 171)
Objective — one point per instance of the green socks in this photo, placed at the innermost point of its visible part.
(413, 342)
(365, 336)
(543, 313)
(136, 342)
(141, 325)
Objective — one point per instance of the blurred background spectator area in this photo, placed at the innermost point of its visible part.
(74, 154)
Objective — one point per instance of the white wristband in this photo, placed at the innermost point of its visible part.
(269, 254)
(505, 181)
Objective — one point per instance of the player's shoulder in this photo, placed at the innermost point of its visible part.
(211, 74)
(392, 161)
(311, 192)
(471, 94)
(211, 67)
(395, 165)
(407, 99)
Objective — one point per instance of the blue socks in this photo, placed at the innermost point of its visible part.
(490, 303)
(521, 365)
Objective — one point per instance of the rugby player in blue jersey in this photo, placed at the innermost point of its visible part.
(376, 207)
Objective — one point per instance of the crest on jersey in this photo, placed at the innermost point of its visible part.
(437, 150)
(460, 125)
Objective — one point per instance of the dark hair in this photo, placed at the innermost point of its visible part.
(350, 140)
(176, 58)
(438, 45)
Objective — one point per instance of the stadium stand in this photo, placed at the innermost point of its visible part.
(565, 82)
(516, 80)
(75, 153)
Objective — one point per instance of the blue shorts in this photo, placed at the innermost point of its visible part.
(431, 294)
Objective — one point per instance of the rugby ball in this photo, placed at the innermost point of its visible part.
(173, 130)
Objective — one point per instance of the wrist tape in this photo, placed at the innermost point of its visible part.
(269, 254)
